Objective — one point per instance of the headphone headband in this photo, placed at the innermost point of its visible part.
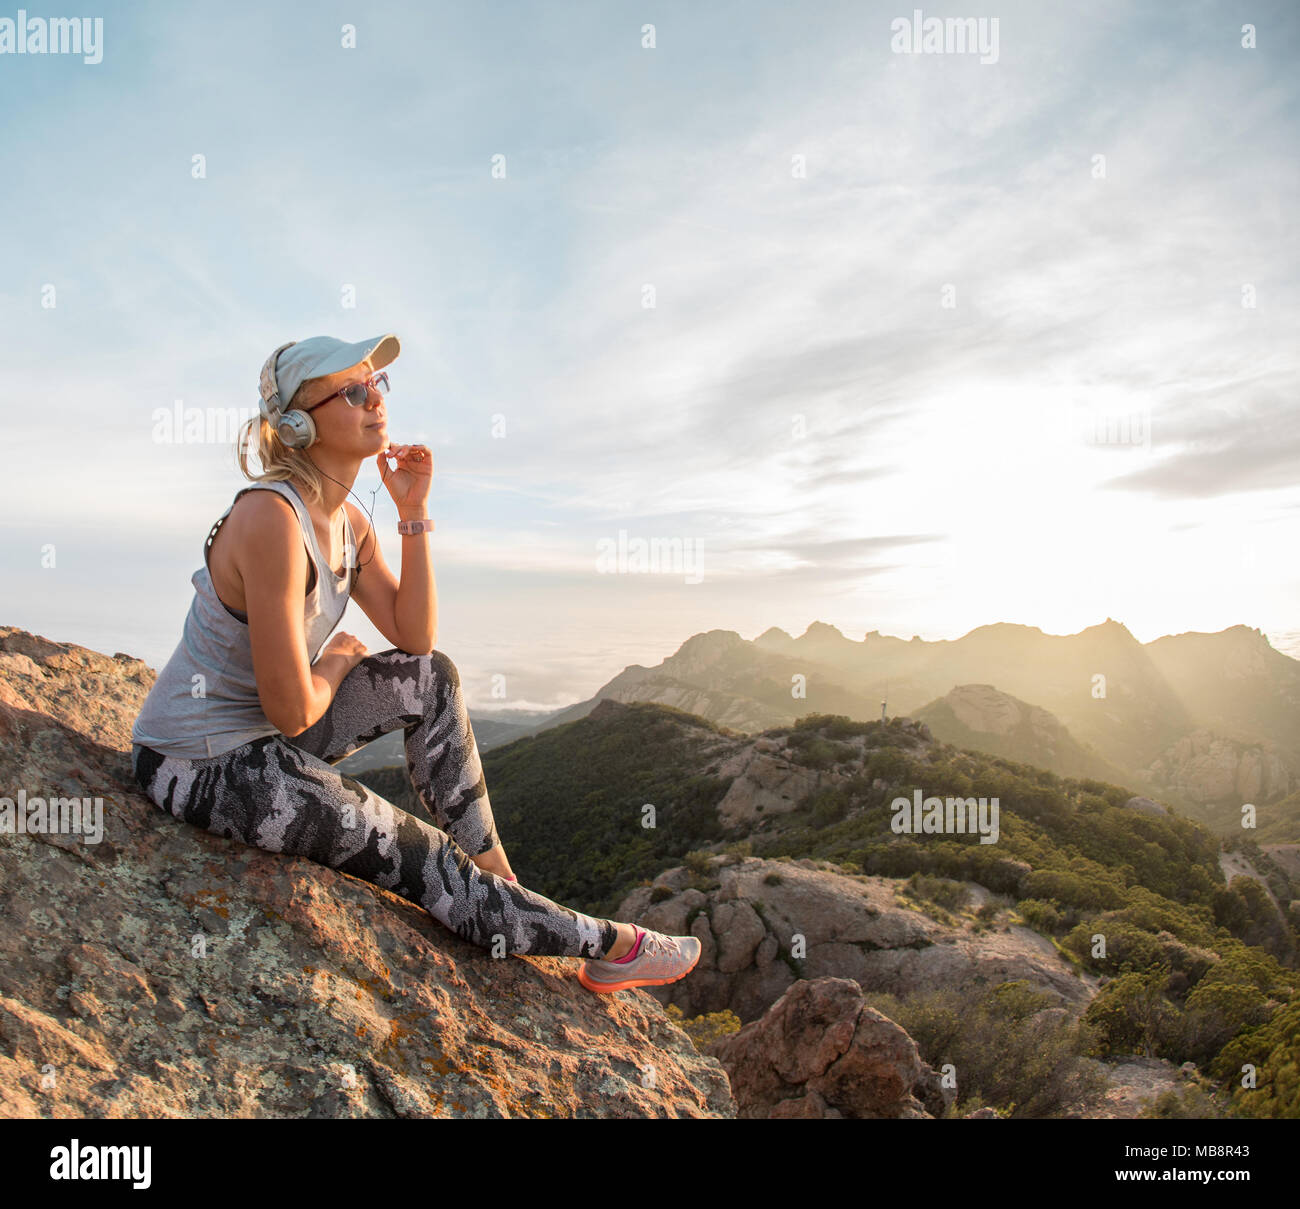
(294, 428)
(268, 387)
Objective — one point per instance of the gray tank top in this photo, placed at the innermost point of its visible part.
(204, 702)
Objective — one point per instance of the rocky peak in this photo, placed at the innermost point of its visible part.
(982, 707)
(822, 629)
(701, 651)
(1109, 631)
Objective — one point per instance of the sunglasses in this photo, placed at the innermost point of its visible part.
(358, 393)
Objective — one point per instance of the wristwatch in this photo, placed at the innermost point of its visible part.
(406, 528)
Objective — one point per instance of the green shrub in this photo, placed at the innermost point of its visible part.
(1127, 947)
(833, 726)
(1007, 1054)
(699, 861)
(1272, 1052)
(950, 895)
(887, 763)
(1039, 915)
(827, 806)
(816, 753)
(1132, 1015)
(1184, 1104)
(1070, 889)
(841, 727)
(705, 1028)
(1216, 1012)
(700, 864)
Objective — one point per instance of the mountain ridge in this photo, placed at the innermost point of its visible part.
(1137, 706)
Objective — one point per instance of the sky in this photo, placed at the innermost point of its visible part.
(896, 340)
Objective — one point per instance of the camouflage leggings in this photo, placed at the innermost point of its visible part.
(282, 795)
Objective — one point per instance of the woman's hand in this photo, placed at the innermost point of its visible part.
(409, 484)
(348, 646)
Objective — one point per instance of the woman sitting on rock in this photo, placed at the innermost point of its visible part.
(240, 731)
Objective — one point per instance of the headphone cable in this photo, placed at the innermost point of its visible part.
(370, 518)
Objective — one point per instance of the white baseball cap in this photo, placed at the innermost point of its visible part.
(300, 361)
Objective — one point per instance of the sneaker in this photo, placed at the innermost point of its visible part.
(662, 959)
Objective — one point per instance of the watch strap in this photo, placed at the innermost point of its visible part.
(407, 528)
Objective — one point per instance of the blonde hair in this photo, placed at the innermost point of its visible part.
(278, 462)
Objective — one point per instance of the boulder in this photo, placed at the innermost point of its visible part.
(821, 1052)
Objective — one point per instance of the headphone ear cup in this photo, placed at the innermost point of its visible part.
(296, 429)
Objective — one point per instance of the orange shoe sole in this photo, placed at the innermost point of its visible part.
(606, 988)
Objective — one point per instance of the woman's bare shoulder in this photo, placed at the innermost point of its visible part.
(265, 519)
(258, 542)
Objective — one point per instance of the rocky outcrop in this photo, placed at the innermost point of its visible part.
(163, 971)
(1146, 806)
(1208, 768)
(767, 778)
(768, 923)
(981, 707)
(820, 1052)
(89, 692)
(766, 782)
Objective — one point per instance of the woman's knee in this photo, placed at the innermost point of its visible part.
(441, 664)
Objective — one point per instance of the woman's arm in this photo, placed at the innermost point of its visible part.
(386, 602)
(416, 608)
(269, 554)
(327, 674)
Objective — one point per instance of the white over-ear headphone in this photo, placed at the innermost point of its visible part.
(295, 428)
